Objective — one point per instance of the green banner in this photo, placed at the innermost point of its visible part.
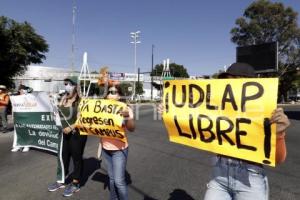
(37, 124)
(37, 129)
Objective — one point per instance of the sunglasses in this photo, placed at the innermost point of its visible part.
(113, 92)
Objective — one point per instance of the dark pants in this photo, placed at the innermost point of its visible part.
(3, 115)
(73, 146)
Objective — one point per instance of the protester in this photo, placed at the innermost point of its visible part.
(22, 90)
(4, 102)
(104, 82)
(73, 142)
(115, 152)
(104, 79)
(239, 179)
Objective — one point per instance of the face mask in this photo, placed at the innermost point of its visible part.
(69, 88)
(24, 91)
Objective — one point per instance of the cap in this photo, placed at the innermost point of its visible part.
(22, 87)
(3, 87)
(72, 79)
(239, 69)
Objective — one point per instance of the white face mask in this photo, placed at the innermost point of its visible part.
(24, 91)
(69, 88)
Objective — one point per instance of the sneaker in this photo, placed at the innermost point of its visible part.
(55, 186)
(70, 189)
(25, 149)
(4, 130)
(15, 149)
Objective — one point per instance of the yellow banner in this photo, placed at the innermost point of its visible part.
(101, 117)
(224, 116)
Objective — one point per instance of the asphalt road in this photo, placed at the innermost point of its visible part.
(157, 169)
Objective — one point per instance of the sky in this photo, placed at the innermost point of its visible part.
(192, 33)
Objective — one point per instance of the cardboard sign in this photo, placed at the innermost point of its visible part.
(225, 116)
(101, 117)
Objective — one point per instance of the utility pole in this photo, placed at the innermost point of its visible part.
(135, 37)
(151, 73)
(138, 82)
(73, 38)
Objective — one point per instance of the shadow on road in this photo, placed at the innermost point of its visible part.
(148, 198)
(90, 165)
(179, 194)
(293, 114)
(101, 177)
(43, 151)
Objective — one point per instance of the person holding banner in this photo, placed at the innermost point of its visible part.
(115, 152)
(239, 179)
(73, 142)
(235, 178)
(22, 90)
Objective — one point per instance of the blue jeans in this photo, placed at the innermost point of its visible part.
(235, 179)
(116, 166)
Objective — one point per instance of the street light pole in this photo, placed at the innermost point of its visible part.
(152, 74)
(135, 37)
(73, 37)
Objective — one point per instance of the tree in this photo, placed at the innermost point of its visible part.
(20, 46)
(263, 22)
(139, 88)
(124, 88)
(176, 71)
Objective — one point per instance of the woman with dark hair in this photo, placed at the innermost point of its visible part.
(115, 152)
(73, 142)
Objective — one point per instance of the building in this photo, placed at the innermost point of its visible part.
(41, 78)
(50, 79)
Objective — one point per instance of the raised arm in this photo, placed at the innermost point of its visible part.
(282, 123)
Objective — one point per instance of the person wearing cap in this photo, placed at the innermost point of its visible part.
(239, 179)
(4, 102)
(73, 142)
